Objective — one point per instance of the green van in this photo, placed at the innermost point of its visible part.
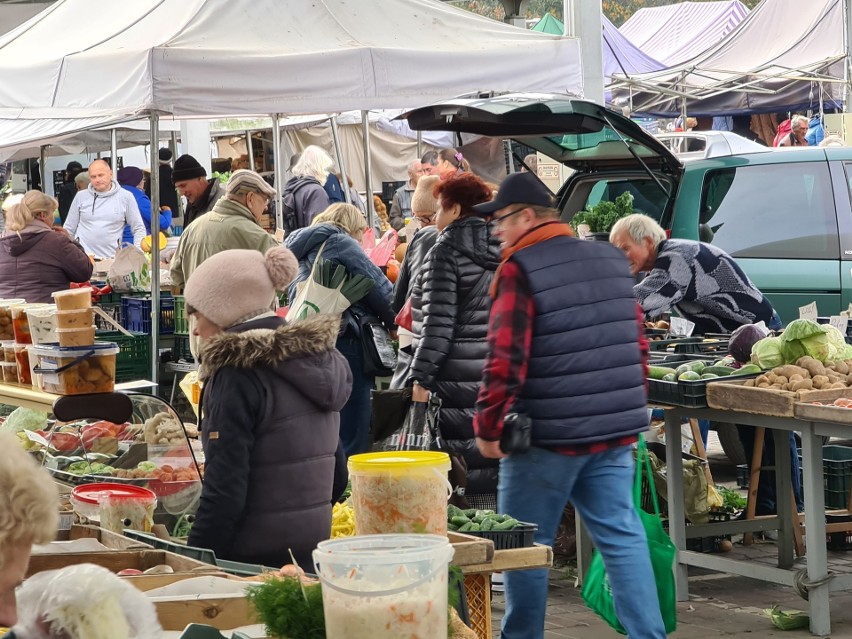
(784, 214)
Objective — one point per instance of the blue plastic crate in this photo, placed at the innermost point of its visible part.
(136, 314)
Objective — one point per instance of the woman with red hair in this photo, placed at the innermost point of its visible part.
(450, 308)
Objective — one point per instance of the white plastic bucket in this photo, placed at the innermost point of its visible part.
(384, 586)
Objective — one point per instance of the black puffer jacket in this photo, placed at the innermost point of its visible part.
(450, 307)
(415, 256)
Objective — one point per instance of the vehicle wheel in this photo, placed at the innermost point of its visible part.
(730, 440)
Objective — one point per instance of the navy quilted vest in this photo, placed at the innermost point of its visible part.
(585, 381)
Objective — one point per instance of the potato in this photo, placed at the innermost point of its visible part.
(820, 381)
(841, 367)
(837, 385)
(780, 380)
(797, 378)
(761, 379)
(813, 366)
(749, 383)
(763, 385)
(805, 384)
(789, 370)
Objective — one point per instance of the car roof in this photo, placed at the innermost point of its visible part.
(711, 144)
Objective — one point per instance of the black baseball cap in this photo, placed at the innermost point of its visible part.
(518, 188)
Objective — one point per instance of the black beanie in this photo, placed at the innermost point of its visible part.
(164, 154)
(186, 168)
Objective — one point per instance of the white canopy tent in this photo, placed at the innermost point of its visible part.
(89, 140)
(216, 58)
(192, 58)
(786, 55)
(674, 33)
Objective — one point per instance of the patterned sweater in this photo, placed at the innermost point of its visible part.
(705, 285)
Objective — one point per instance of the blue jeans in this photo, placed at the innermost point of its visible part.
(534, 487)
(766, 497)
(355, 416)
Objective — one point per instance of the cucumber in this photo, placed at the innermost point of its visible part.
(709, 376)
(659, 372)
(697, 367)
(749, 369)
(719, 371)
(688, 376)
(671, 377)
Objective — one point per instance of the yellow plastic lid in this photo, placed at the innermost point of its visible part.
(399, 460)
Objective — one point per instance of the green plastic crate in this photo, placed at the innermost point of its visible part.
(837, 474)
(134, 357)
(181, 320)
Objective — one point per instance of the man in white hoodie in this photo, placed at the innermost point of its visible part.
(99, 213)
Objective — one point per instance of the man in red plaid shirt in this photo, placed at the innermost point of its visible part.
(564, 339)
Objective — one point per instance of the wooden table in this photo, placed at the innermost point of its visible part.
(815, 577)
(477, 559)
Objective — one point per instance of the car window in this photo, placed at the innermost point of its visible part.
(647, 196)
(774, 211)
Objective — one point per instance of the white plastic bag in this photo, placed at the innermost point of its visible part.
(130, 272)
(84, 601)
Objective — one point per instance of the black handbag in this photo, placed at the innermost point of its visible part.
(376, 347)
(517, 433)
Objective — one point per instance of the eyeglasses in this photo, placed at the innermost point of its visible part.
(425, 219)
(499, 220)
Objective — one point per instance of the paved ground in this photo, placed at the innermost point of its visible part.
(720, 605)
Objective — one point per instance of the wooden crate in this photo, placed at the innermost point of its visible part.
(823, 413)
(734, 395)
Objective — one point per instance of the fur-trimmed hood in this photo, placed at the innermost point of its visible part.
(303, 353)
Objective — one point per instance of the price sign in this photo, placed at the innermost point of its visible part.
(808, 312)
(840, 322)
(679, 327)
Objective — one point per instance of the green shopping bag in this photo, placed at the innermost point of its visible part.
(597, 592)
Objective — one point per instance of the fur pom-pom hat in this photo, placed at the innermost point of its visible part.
(235, 286)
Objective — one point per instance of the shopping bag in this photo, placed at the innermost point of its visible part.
(384, 249)
(313, 298)
(129, 272)
(418, 431)
(597, 592)
(388, 411)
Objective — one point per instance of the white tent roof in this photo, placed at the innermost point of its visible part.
(675, 33)
(786, 54)
(226, 57)
(90, 136)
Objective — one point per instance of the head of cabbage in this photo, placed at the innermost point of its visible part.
(801, 338)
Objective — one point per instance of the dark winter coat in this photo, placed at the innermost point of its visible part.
(40, 262)
(309, 199)
(415, 256)
(585, 378)
(450, 308)
(168, 195)
(341, 248)
(270, 430)
(214, 192)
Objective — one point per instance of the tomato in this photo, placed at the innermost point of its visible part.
(64, 442)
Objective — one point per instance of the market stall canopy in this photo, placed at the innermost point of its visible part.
(677, 32)
(619, 54)
(786, 55)
(215, 58)
(13, 14)
(23, 139)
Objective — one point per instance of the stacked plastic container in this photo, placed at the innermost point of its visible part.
(16, 341)
(71, 363)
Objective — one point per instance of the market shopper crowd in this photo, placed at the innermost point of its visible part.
(499, 309)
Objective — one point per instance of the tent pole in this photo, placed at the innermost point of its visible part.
(155, 256)
(113, 151)
(250, 150)
(279, 172)
(174, 150)
(419, 144)
(335, 136)
(847, 46)
(42, 162)
(368, 168)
